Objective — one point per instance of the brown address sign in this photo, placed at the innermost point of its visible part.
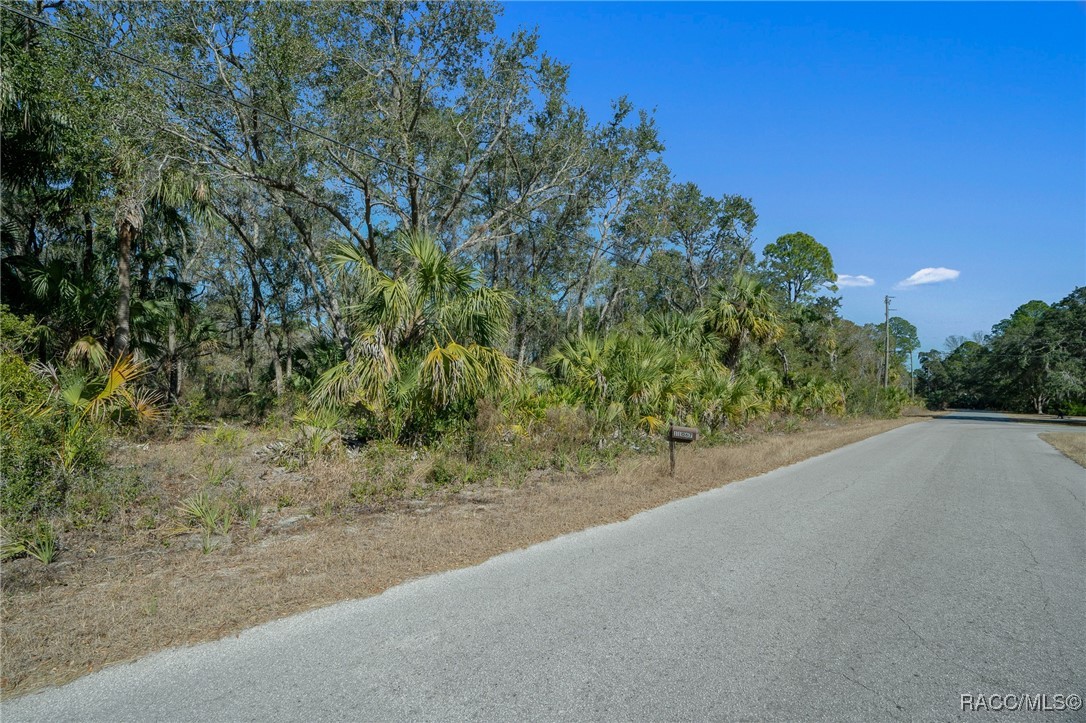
(682, 434)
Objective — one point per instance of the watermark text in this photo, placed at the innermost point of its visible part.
(1025, 702)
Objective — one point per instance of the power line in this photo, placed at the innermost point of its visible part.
(297, 126)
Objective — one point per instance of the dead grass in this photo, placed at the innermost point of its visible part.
(151, 590)
(1072, 444)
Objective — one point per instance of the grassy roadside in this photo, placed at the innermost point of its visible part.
(123, 601)
(1072, 444)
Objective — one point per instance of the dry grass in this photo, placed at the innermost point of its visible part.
(103, 606)
(1072, 444)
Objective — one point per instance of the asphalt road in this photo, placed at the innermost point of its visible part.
(879, 582)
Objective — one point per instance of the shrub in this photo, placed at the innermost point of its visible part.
(873, 400)
(30, 440)
(41, 451)
(447, 472)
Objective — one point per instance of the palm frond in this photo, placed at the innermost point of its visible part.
(88, 350)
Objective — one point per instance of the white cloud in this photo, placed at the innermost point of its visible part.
(929, 276)
(861, 280)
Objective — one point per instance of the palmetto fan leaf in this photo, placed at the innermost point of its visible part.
(97, 396)
(743, 311)
(481, 314)
(686, 334)
(90, 351)
(425, 337)
(361, 382)
(124, 371)
(453, 371)
(580, 362)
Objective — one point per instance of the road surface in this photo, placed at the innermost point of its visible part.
(882, 581)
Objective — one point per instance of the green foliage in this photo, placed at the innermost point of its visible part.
(217, 472)
(673, 372)
(903, 336)
(53, 426)
(256, 272)
(93, 499)
(37, 456)
(223, 438)
(818, 396)
(211, 515)
(42, 544)
(446, 473)
(873, 400)
(38, 540)
(428, 342)
(799, 265)
(10, 546)
(1032, 361)
(388, 471)
(742, 313)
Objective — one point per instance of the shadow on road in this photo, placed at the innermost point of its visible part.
(981, 416)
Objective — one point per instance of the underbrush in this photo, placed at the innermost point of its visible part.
(187, 483)
(875, 401)
(212, 487)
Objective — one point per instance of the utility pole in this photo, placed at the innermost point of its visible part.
(912, 376)
(886, 368)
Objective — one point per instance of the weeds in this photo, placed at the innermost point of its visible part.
(200, 509)
(252, 517)
(42, 545)
(40, 542)
(210, 515)
(95, 499)
(10, 547)
(448, 473)
(217, 471)
(223, 437)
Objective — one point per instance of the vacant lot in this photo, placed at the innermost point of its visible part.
(119, 598)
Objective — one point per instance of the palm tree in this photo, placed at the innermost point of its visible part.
(149, 199)
(743, 312)
(428, 337)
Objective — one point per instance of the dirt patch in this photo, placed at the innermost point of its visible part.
(1072, 444)
(126, 599)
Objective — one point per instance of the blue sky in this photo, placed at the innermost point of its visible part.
(903, 136)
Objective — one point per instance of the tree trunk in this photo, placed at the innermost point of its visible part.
(275, 345)
(32, 237)
(277, 366)
(126, 234)
(173, 378)
(324, 292)
(88, 244)
(784, 360)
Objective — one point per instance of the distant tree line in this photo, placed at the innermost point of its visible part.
(1033, 361)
